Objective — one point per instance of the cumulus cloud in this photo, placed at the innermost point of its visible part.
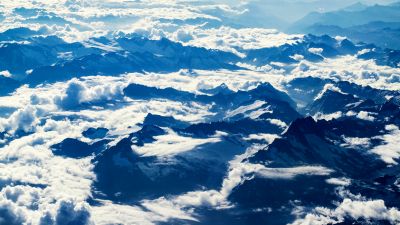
(297, 57)
(10, 214)
(78, 92)
(365, 116)
(29, 159)
(24, 119)
(354, 209)
(350, 68)
(317, 51)
(44, 178)
(73, 95)
(5, 73)
(68, 212)
(184, 21)
(235, 40)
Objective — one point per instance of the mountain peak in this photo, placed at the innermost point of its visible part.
(303, 126)
(221, 89)
(358, 6)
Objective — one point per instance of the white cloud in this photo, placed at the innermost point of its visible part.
(172, 144)
(253, 111)
(354, 209)
(349, 68)
(317, 51)
(278, 123)
(327, 87)
(269, 138)
(365, 116)
(183, 21)
(68, 212)
(339, 181)
(78, 92)
(389, 151)
(238, 173)
(297, 57)
(355, 142)
(321, 116)
(67, 182)
(149, 213)
(289, 173)
(29, 161)
(234, 40)
(109, 213)
(5, 73)
(73, 95)
(10, 213)
(23, 119)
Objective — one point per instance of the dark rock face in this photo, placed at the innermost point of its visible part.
(95, 133)
(8, 85)
(77, 149)
(124, 176)
(308, 142)
(164, 121)
(332, 101)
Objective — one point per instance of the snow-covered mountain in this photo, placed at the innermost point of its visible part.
(195, 112)
(377, 23)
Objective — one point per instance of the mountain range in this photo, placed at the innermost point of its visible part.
(199, 112)
(378, 24)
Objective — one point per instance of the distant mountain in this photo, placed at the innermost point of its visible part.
(316, 48)
(241, 112)
(33, 57)
(20, 59)
(358, 6)
(251, 14)
(348, 18)
(114, 63)
(383, 34)
(39, 58)
(19, 34)
(305, 92)
(378, 24)
(290, 11)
